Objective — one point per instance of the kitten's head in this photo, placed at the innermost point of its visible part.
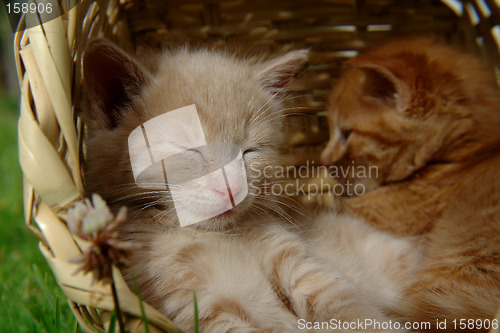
(238, 114)
(408, 104)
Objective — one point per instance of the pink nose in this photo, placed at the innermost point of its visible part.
(235, 187)
(228, 192)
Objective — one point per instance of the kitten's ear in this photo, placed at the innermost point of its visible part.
(112, 79)
(383, 85)
(276, 73)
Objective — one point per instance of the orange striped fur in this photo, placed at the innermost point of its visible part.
(428, 117)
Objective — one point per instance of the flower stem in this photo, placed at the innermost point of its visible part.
(121, 325)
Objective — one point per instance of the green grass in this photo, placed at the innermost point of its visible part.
(30, 300)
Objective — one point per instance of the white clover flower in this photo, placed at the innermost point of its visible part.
(94, 222)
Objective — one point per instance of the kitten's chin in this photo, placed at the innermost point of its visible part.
(228, 219)
(221, 222)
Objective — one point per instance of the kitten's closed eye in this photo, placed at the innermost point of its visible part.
(346, 133)
(250, 152)
(195, 154)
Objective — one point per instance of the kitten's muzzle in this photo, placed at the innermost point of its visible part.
(336, 147)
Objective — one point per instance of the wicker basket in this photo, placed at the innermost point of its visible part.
(48, 58)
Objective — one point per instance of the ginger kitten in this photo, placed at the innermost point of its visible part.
(428, 117)
(251, 269)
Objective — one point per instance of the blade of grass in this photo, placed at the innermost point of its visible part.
(46, 322)
(141, 305)
(118, 311)
(38, 310)
(41, 281)
(196, 320)
(30, 315)
(112, 323)
(57, 315)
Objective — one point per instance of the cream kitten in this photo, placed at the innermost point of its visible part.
(251, 269)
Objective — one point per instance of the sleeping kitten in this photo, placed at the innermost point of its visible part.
(427, 117)
(250, 268)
